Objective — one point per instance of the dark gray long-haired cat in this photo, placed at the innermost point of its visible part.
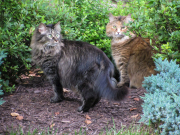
(75, 65)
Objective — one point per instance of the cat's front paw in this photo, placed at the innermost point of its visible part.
(82, 109)
(56, 99)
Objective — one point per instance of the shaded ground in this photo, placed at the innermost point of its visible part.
(31, 100)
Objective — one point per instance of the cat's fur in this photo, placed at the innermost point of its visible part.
(132, 54)
(75, 65)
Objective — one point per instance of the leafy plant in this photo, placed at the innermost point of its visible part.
(157, 20)
(14, 41)
(161, 103)
(80, 20)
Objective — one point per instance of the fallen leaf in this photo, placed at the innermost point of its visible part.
(65, 121)
(52, 125)
(56, 113)
(88, 122)
(135, 116)
(33, 74)
(40, 72)
(37, 91)
(132, 109)
(14, 114)
(19, 117)
(136, 99)
(30, 72)
(87, 117)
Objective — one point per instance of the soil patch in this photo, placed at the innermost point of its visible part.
(32, 101)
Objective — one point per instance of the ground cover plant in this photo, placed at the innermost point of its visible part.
(161, 104)
(2, 55)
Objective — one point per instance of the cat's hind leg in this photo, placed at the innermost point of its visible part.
(89, 98)
(96, 101)
(86, 104)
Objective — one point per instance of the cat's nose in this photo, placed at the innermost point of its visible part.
(118, 33)
(55, 39)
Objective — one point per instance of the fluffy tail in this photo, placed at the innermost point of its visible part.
(106, 89)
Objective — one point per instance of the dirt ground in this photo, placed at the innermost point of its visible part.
(31, 101)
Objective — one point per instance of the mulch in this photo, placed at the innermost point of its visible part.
(31, 100)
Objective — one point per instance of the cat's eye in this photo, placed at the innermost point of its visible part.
(114, 27)
(123, 27)
(57, 35)
(49, 36)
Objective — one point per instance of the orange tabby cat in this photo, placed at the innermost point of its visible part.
(132, 54)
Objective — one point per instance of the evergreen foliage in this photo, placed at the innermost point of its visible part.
(2, 56)
(161, 103)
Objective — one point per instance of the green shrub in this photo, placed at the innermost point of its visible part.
(161, 103)
(14, 40)
(80, 20)
(157, 20)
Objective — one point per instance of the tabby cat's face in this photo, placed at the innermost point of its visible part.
(49, 35)
(116, 27)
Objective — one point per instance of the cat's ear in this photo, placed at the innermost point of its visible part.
(42, 28)
(57, 26)
(128, 19)
(111, 17)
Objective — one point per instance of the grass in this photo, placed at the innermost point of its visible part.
(131, 130)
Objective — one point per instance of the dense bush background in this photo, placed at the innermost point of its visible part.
(80, 20)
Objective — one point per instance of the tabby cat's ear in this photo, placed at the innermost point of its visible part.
(57, 26)
(111, 17)
(42, 28)
(128, 19)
